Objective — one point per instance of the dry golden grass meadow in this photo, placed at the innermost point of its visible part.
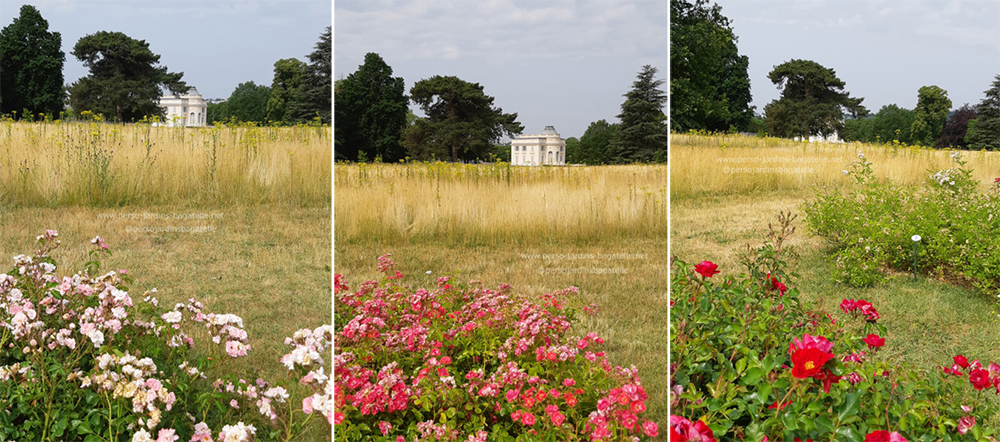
(540, 229)
(236, 217)
(726, 189)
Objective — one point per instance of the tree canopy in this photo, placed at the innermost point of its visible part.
(812, 101)
(124, 81)
(313, 97)
(643, 131)
(461, 121)
(595, 144)
(288, 74)
(931, 113)
(953, 135)
(248, 102)
(984, 134)
(709, 84)
(31, 63)
(891, 123)
(371, 108)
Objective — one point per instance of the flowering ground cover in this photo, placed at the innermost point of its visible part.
(468, 362)
(83, 359)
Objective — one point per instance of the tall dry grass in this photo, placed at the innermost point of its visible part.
(734, 164)
(96, 164)
(491, 204)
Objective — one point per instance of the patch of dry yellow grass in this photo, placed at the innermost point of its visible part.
(499, 203)
(98, 164)
(734, 164)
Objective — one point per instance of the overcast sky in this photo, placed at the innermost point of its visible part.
(218, 44)
(555, 63)
(883, 50)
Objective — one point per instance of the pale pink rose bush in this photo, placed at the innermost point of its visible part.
(472, 363)
(82, 359)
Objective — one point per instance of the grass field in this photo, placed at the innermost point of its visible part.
(106, 165)
(703, 166)
(467, 221)
(713, 215)
(254, 241)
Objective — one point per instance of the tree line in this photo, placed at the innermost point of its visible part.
(710, 91)
(373, 121)
(126, 80)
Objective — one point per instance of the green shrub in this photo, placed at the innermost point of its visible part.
(870, 225)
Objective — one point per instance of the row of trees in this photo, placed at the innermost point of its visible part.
(298, 93)
(126, 81)
(710, 91)
(462, 124)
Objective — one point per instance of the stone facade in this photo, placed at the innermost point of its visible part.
(546, 148)
(187, 109)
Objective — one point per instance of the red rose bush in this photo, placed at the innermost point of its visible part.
(750, 362)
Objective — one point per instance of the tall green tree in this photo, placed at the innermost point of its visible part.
(461, 121)
(812, 101)
(859, 129)
(287, 81)
(371, 109)
(709, 84)
(643, 130)
(893, 123)
(31, 63)
(953, 134)
(985, 133)
(124, 81)
(931, 112)
(216, 112)
(572, 151)
(595, 144)
(248, 103)
(314, 95)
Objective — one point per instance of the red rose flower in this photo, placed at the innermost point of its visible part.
(775, 405)
(818, 342)
(808, 362)
(884, 436)
(706, 269)
(961, 361)
(774, 284)
(874, 341)
(828, 379)
(965, 423)
(979, 378)
(682, 430)
(848, 305)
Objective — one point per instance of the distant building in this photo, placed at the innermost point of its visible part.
(188, 109)
(539, 149)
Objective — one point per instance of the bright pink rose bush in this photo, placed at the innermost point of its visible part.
(82, 359)
(473, 363)
(751, 363)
